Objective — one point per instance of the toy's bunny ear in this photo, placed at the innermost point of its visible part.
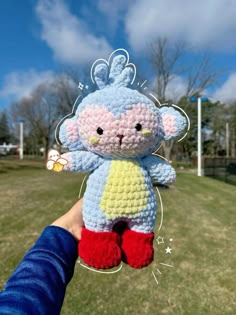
(99, 73)
(175, 122)
(122, 73)
(67, 134)
(117, 71)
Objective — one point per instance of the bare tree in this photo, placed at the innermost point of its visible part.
(44, 108)
(65, 88)
(5, 134)
(167, 60)
(232, 126)
(201, 75)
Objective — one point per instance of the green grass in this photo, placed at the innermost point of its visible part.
(199, 214)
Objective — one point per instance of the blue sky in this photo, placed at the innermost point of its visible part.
(39, 37)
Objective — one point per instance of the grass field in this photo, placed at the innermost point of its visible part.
(199, 215)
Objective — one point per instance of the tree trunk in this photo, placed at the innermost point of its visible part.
(167, 148)
(233, 143)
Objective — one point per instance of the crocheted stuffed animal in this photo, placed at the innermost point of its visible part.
(112, 134)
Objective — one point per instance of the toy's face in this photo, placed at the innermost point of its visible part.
(134, 133)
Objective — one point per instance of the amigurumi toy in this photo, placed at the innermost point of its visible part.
(112, 134)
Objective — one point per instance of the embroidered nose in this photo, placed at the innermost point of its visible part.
(120, 137)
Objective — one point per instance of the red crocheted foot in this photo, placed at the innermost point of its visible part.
(137, 249)
(100, 250)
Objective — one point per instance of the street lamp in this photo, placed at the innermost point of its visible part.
(199, 131)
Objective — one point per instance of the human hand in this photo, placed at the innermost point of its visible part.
(72, 221)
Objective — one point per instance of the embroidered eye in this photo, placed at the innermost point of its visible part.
(138, 127)
(100, 131)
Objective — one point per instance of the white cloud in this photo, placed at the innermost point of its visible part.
(67, 35)
(227, 92)
(176, 88)
(203, 23)
(19, 84)
(114, 12)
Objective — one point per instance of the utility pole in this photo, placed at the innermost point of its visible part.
(199, 131)
(199, 137)
(21, 149)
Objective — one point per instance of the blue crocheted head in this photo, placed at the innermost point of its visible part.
(117, 121)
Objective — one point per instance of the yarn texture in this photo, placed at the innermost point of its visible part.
(112, 134)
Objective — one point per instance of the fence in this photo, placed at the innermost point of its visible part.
(221, 168)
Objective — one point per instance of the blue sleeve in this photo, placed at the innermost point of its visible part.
(38, 284)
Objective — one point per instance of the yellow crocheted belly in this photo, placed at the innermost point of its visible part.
(125, 192)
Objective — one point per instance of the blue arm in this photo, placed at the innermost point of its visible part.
(38, 284)
(82, 161)
(160, 171)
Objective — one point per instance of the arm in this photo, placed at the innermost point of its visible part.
(159, 170)
(38, 284)
(81, 161)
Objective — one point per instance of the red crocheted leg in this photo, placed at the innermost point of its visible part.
(100, 250)
(137, 249)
